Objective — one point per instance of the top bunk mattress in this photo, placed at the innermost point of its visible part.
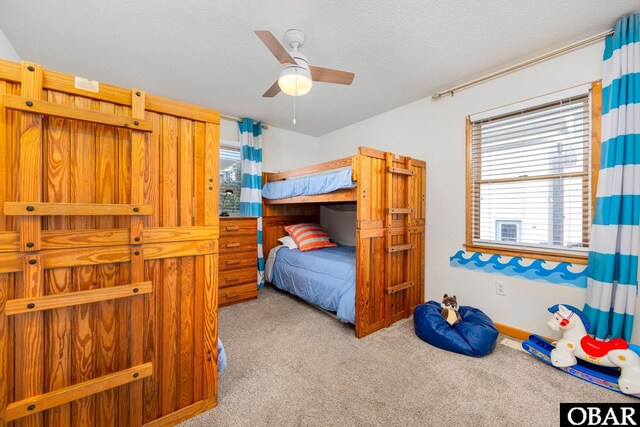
(309, 185)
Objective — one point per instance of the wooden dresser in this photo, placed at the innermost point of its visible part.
(238, 260)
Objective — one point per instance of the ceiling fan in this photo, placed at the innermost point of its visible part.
(296, 74)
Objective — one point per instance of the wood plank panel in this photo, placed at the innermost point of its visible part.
(4, 153)
(153, 304)
(123, 306)
(59, 258)
(5, 348)
(83, 339)
(107, 274)
(186, 338)
(65, 239)
(29, 380)
(30, 157)
(170, 295)
(136, 350)
(137, 258)
(198, 329)
(211, 164)
(13, 144)
(94, 209)
(58, 321)
(48, 302)
(34, 106)
(29, 377)
(77, 391)
(210, 380)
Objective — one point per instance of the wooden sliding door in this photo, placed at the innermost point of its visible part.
(108, 253)
(390, 238)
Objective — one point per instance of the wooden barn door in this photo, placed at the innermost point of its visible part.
(108, 255)
(390, 239)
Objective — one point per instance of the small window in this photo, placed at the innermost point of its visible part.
(508, 231)
(230, 181)
(529, 178)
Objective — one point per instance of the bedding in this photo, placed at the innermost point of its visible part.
(288, 242)
(324, 277)
(309, 237)
(309, 185)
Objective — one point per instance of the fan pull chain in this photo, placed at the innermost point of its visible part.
(294, 99)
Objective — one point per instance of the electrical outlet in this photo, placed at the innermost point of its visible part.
(501, 288)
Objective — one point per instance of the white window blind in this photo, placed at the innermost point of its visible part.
(530, 177)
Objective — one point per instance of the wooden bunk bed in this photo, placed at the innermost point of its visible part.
(390, 199)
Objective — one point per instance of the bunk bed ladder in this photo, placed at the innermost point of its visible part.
(405, 284)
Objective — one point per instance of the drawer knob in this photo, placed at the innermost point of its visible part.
(232, 262)
(232, 228)
(231, 279)
(229, 296)
(233, 245)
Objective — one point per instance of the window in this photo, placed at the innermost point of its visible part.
(529, 178)
(230, 180)
(508, 231)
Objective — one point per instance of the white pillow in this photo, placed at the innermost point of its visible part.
(288, 242)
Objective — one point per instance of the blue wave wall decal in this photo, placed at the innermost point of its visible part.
(563, 273)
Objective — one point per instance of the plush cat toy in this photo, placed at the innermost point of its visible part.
(449, 306)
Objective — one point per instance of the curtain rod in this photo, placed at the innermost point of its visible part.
(549, 55)
(238, 119)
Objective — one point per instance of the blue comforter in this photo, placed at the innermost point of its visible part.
(308, 185)
(324, 277)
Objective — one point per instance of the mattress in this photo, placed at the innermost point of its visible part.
(309, 185)
(324, 277)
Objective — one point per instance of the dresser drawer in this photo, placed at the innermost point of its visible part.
(237, 277)
(238, 243)
(239, 293)
(236, 260)
(231, 227)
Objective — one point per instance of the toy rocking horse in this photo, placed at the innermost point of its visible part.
(576, 346)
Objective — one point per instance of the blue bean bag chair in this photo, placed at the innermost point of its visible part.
(474, 336)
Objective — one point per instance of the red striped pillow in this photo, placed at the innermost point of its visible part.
(309, 237)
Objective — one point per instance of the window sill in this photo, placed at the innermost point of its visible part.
(532, 254)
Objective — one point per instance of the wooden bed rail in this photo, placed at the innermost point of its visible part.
(340, 163)
(321, 167)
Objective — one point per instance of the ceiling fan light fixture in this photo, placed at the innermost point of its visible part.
(295, 80)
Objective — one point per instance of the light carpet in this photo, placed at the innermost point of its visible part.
(289, 364)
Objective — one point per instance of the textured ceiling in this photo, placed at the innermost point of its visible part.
(205, 52)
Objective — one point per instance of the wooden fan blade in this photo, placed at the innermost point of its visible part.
(272, 43)
(329, 75)
(272, 91)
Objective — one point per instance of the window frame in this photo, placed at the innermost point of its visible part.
(594, 165)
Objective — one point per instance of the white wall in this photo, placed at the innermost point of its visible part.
(435, 131)
(340, 222)
(281, 149)
(6, 48)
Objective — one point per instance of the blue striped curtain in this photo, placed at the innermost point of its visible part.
(251, 191)
(615, 234)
